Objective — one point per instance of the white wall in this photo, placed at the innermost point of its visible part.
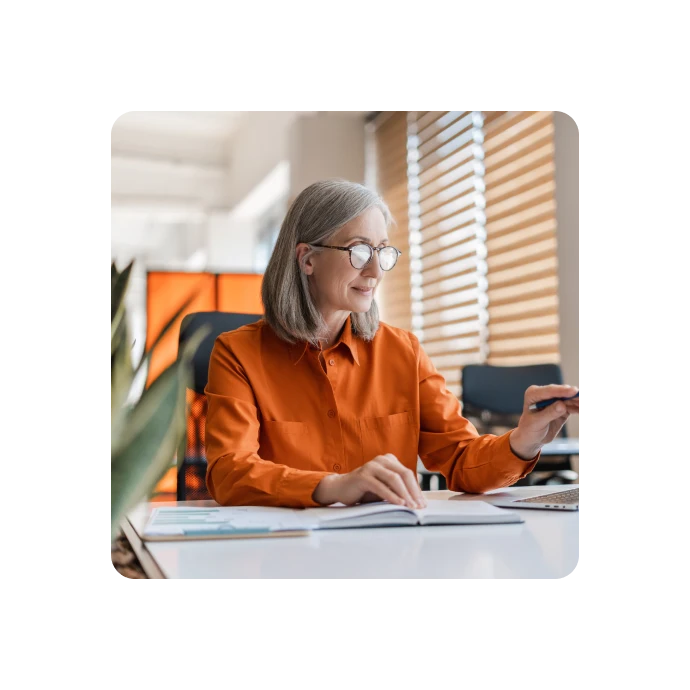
(166, 159)
(325, 145)
(230, 243)
(566, 141)
(257, 148)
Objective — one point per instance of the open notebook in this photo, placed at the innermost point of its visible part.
(176, 523)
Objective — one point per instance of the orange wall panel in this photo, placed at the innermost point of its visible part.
(166, 292)
(240, 293)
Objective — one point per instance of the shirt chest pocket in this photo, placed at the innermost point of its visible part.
(393, 433)
(286, 443)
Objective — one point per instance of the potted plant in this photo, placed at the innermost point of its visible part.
(146, 434)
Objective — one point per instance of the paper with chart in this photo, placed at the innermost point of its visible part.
(178, 520)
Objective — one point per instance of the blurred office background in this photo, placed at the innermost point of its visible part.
(486, 206)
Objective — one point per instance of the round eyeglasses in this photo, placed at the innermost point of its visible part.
(361, 254)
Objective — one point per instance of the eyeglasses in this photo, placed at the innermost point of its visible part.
(361, 254)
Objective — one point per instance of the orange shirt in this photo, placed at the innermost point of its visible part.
(281, 417)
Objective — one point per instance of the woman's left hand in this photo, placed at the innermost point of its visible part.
(537, 427)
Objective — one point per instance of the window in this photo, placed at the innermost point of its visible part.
(472, 193)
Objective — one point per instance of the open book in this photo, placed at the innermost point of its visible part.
(177, 523)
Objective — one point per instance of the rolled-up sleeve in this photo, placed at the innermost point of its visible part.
(451, 445)
(236, 474)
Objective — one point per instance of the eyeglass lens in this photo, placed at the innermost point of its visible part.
(361, 254)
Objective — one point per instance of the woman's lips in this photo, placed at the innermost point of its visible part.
(364, 291)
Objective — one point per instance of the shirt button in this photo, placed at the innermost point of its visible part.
(331, 362)
(331, 413)
(337, 467)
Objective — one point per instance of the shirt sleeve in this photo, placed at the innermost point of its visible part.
(236, 475)
(451, 445)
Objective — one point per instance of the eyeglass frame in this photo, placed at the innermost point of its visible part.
(359, 244)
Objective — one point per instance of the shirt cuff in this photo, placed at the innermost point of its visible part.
(518, 467)
(297, 486)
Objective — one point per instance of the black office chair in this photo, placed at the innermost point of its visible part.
(493, 398)
(191, 455)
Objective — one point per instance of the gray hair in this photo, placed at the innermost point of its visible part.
(317, 213)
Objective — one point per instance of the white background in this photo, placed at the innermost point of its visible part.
(70, 70)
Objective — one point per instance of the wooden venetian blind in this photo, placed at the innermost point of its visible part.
(393, 296)
(521, 237)
(478, 221)
(447, 239)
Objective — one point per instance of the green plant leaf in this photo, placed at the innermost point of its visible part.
(139, 463)
(117, 299)
(145, 437)
(121, 385)
(120, 283)
(141, 415)
(121, 374)
(151, 434)
(147, 356)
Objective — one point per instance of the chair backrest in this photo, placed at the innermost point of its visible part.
(495, 394)
(191, 463)
(220, 322)
(493, 399)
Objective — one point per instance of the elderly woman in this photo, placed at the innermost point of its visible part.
(319, 402)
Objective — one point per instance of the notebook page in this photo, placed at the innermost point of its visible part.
(341, 512)
(472, 511)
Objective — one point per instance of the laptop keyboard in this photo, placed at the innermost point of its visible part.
(566, 497)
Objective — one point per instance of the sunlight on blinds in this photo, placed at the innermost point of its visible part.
(521, 238)
(473, 195)
(448, 268)
(393, 295)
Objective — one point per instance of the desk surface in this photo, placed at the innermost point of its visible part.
(545, 546)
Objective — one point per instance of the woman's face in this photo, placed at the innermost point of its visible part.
(335, 285)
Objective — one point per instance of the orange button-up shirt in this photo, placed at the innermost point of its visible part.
(281, 417)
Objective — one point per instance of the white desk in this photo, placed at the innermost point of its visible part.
(545, 546)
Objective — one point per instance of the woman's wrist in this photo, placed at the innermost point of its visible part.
(324, 493)
(524, 451)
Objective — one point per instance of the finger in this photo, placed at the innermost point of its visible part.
(539, 419)
(408, 476)
(557, 410)
(536, 393)
(412, 485)
(394, 482)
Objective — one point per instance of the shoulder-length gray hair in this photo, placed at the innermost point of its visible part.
(314, 217)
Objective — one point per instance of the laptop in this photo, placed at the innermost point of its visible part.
(560, 500)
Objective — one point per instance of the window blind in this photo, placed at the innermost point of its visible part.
(393, 296)
(477, 219)
(521, 238)
(447, 234)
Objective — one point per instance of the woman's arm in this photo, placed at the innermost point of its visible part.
(451, 445)
(236, 475)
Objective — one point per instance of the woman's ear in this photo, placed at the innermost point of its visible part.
(306, 266)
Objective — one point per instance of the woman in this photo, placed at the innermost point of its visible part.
(321, 403)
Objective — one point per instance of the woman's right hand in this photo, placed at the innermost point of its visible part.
(383, 478)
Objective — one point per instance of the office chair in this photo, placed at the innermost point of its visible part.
(191, 454)
(493, 398)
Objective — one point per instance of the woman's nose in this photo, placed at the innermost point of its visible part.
(373, 268)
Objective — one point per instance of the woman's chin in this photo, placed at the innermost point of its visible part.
(361, 306)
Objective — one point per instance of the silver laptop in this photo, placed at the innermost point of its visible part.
(560, 500)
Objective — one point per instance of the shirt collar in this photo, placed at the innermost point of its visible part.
(346, 338)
